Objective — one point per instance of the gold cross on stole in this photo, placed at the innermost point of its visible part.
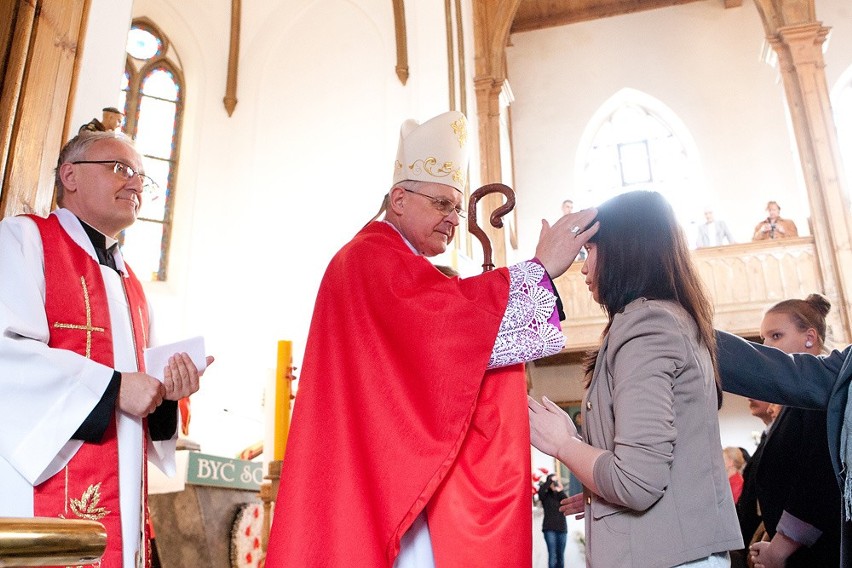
(88, 327)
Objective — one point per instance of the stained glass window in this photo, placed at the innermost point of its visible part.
(152, 93)
(142, 43)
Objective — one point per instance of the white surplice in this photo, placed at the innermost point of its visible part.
(46, 394)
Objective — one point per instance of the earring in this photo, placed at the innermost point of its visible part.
(809, 344)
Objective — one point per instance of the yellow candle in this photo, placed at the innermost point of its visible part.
(282, 398)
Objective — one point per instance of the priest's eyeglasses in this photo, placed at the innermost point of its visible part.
(125, 172)
(445, 206)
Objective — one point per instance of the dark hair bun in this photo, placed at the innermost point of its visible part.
(820, 303)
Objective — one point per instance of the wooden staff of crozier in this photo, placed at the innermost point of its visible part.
(496, 217)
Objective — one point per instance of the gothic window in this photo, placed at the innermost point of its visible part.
(152, 93)
(635, 142)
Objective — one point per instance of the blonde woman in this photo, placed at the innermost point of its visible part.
(798, 497)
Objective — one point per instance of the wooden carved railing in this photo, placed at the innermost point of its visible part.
(743, 280)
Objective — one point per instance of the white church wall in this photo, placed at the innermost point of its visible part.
(265, 197)
(702, 61)
(102, 60)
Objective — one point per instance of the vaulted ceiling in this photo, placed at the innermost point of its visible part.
(538, 14)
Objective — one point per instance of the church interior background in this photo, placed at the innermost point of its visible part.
(271, 128)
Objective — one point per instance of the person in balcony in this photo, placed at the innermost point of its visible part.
(774, 226)
(712, 232)
(655, 489)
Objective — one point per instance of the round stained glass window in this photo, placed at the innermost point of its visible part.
(142, 44)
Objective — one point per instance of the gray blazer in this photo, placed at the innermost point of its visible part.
(722, 234)
(664, 496)
(802, 380)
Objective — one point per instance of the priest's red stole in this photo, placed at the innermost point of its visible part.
(78, 315)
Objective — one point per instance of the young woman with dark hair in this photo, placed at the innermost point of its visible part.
(655, 488)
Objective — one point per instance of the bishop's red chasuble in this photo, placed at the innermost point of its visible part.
(78, 315)
(396, 413)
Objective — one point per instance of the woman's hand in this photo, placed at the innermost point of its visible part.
(573, 505)
(550, 426)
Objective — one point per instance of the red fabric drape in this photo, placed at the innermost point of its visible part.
(390, 391)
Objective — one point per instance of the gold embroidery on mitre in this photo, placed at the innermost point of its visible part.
(460, 128)
(87, 506)
(429, 166)
(88, 328)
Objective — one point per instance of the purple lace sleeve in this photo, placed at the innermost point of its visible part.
(530, 328)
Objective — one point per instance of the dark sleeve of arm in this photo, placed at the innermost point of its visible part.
(93, 427)
(814, 497)
(765, 373)
(162, 423)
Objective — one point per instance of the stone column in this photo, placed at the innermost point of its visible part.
(491, 169)
(492, 21)
(797, 40)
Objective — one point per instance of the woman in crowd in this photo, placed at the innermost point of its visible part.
(553, 525)
(796, 492)
(734, 464)
(656, 493)
(801, 380)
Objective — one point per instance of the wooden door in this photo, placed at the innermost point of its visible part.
(40, 41)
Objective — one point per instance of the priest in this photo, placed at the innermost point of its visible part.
(79, 415)
(411, 385)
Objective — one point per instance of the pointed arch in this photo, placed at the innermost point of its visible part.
(154, 92)
(635, 141)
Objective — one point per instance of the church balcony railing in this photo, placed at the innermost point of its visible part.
(742, 279)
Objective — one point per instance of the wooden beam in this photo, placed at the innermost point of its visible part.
(401, 41)
(564, 14)
(230, 99)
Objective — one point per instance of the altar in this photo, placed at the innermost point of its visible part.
(209, 514)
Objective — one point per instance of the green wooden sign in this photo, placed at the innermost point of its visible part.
(204, 469)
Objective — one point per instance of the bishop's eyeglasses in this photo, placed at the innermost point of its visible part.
(125, 172)
(443, 205)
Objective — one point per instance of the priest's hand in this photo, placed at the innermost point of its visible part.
(181, 376)
(559, 245)
(140, 394)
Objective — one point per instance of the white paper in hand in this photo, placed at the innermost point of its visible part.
(157, 358)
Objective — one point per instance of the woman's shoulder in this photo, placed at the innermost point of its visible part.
(653, 310)
(656, 322)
